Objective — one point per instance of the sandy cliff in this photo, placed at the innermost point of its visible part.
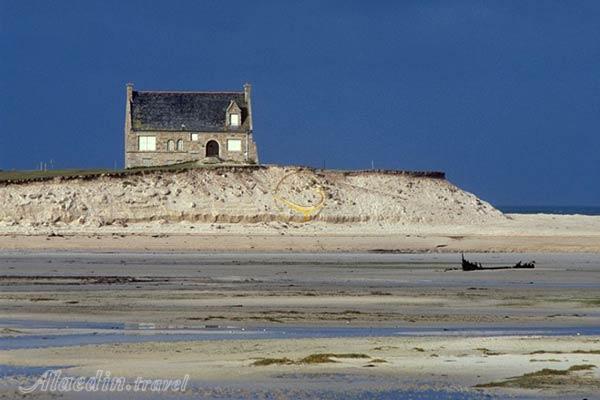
(285, 194)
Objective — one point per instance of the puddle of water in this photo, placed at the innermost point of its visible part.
(120, 333)
(13, 370)
(373, 394)
(40, 324)
(288, 386)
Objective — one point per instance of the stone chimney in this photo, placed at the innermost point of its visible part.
(129, 91)
(129, 141)
(247, 91)
(248, 99)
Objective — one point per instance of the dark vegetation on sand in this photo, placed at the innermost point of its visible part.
(17, 177)
(317, 358)
(547, 377)
(66, 174)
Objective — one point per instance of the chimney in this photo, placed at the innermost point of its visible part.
(128, 128)
(129, 91)
(247, 90)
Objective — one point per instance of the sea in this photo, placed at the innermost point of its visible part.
(562, 210)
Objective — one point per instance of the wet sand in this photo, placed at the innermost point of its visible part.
(186, 291)
(456, 362)
(300, 289)
(512, 233)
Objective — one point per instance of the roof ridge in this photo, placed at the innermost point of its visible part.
(186, 91)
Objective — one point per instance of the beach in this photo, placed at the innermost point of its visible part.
(299, 200)
(295, 283)
(515, 233)
(243, 323)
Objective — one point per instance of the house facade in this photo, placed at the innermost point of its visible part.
(163, 128)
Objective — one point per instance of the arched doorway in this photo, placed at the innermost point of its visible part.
(212, 148)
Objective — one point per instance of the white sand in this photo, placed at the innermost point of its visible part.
(263, 195)
(265, 210)
(516, 233)
(464, 360)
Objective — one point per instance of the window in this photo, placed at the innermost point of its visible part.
(171, 145)
(234, 119)
(180, 145)
(195, 137)
(147, 143)
(234, 145)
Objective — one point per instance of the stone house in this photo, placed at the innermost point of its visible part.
(163, 128)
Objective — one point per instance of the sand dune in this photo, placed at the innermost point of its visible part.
(274, 209)
(284, 194)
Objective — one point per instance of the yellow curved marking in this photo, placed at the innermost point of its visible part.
(307, 211)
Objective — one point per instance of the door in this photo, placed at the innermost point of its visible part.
(212, 149)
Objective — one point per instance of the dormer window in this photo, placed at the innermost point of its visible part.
(233, 115)
(234, 119)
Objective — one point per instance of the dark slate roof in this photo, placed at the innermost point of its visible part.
(184, 111)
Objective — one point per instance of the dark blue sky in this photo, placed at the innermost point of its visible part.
(503, 96)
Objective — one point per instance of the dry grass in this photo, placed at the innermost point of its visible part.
(591, 302)
(381, 348)
(546, 377)
(317, 358)
(272, 361)
(378, 360)
(64, 173)
(9, 331)
(566, 352)
(488, 352)
(34, 175)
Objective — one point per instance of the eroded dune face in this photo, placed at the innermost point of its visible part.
(284, 194)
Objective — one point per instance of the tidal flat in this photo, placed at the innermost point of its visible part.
(373, 326)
